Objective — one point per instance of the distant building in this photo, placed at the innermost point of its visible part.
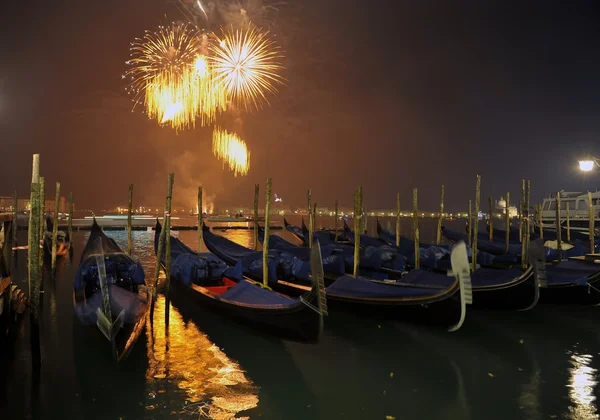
(7, 203)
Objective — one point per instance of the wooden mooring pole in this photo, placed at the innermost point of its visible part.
(398, 219)
(416, 228)
(591, 221)
(335, 220)
(539, 207)
(15, 217)
(558, 229)
(33, 266)
(361, 215)
(256, 192)
(357, 224)
(42, 218)
(476, 223)
(55, 226)
(71, 208)
(129, 211)
(200, 218)
(524, 223)
(568, 217)
(267, 232)
(438, 238)
(528, 230)
(491, 218)
(159, 252)
(356, 216)
(470, 224)
(314, 217)
(310, 227)
(507, 223)
(167, 227)
(365, 214)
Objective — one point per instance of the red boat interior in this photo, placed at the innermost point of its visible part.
(217, 290)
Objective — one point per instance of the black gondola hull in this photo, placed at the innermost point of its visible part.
(445, 312)
(128, 294)
(443, 309)
(521, 295)
(571, 294)
(126, 337)
(297, 322)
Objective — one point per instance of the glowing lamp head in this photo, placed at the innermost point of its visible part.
(586, 165)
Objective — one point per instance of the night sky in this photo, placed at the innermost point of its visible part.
(390, 95)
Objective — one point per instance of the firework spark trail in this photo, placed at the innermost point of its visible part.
(174, 78)
(246, 62)
(232, 150)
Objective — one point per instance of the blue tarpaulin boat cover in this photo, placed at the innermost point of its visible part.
(561, 274)
(338, 256)
(360, 287)
(498, 248)
(249, 293)
(568, 271)
(192, 267)
(198, 268)
(494, 277)
(117, 266)
(437, 256)
(120, 299)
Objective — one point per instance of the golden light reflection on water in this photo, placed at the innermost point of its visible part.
(582, 381)
(215, 386)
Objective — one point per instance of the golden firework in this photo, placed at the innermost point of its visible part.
(170, 71)
(246, 62)
(232, 150)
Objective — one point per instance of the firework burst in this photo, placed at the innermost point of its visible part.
(232, 150)
(171, 76)
(246, 63)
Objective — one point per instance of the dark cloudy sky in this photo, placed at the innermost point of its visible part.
(389, 94)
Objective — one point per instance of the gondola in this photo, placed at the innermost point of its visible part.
(421, 297)
(375, 260)
(568, 281)
(324, 236)
(63, 242)
(294, 230)
(493, 288)
(208, 281)
(338, 258)
(496, 247)
(13, 300)
(105, 268)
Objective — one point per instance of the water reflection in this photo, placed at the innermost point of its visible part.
(583, 379)
(181, 359)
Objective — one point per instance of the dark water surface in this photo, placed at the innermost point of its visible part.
(540, 364)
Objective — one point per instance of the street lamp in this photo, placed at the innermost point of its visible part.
(587, 164)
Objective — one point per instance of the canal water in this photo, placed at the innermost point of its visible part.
(540, 364)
